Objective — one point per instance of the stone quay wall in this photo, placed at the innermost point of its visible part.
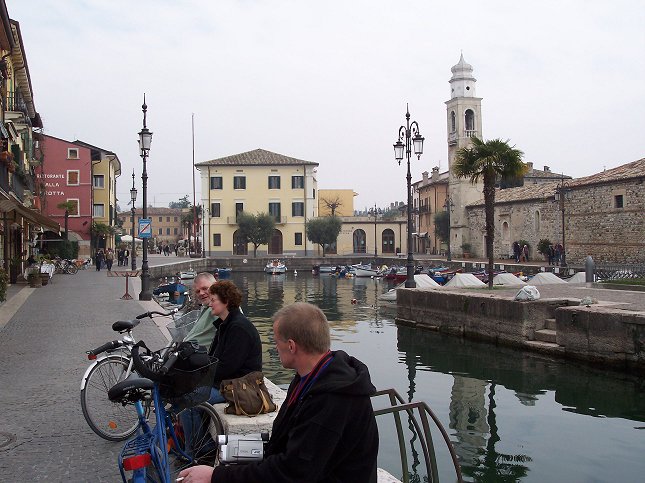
(598, 335)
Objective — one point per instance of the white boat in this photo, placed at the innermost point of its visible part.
(423, 282)
(187, 275)
(365, 271)
(275, 267)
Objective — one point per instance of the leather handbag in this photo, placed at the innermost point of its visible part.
(247, 395)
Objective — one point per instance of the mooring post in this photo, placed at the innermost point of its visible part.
(590, 268)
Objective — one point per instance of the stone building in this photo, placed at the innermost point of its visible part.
(604, 216)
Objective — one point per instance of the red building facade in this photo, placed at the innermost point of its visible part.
(66, 176)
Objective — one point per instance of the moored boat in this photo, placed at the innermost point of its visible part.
(275, 267)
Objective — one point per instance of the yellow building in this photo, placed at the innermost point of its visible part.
(255, 182)
(372, 236)
(336, 202)
(106, 168)
(432, 198)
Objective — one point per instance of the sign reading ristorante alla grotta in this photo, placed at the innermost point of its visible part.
(53, 183)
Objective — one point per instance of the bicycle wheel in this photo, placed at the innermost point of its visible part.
(71, 269)
(111, 421)
(202, 447)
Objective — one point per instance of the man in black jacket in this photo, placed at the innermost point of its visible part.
(325, 430)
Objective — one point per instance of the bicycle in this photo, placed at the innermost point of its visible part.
(65, 266)
(115, 422)
(148, 455)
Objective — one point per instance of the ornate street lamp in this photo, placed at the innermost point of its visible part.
(448, 206)
(375, 212)
(145, 139)
(563, 193)
(409, 132)
(133, 198)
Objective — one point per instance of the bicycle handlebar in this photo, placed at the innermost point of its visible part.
(172, 358)
(105, 347)
(155, 312)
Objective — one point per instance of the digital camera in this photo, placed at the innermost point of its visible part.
(241, 448)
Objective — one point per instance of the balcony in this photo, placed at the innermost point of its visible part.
(470, 133)
(16, 109)
(231, 220)
(280, 220)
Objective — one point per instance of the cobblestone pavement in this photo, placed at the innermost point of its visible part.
(43, 435)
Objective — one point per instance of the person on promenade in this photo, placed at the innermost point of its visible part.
(326, 429)
(126, 256)
(203, 330)
(109, 259)
(558, 254)
(551, 254)
(98, 259)
(516, 251)
(525, 253)
(236, 345)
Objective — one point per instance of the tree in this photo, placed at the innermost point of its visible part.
(324, 231)
(489, 160)
(99, 230)
(182, 203)
(67, 206)
(257, 229)
(442, 226)
(332, 204)
(188, 220)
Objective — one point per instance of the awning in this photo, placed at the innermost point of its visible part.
(37, 219)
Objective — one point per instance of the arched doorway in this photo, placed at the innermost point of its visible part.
(360, 241)
(387, 244)
(275, 244)
(240, 245)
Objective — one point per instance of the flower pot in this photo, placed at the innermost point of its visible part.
(44, 278)
(34, 280)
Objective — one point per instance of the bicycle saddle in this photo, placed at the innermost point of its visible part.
(132, 382)
(123, 325)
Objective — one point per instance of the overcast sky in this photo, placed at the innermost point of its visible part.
(328, 81)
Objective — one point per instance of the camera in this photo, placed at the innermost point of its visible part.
(241, 448)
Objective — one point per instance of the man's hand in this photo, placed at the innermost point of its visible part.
(197, 474)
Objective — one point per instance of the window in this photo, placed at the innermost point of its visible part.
(274, 210)
(167, 219)
(453, 122)
(298, 208)
(215, 210)
(470, 120)
(314, 194)
(297, 182)
(175, 218)
(72, 178)
(216, 183)
(99, 210)
(298, 239)
(274, 182)
(72, 153)
(239, 182)
(618, 201)
(98, 181)
(239, 208)
(217, 239)
(160, 219)
(73, 209)
(167, 231)
(176, 231)
(161, 231)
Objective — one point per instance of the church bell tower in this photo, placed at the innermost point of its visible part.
(463, 122)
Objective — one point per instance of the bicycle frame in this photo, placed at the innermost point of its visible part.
(152, 441)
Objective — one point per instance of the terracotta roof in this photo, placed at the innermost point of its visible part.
(631, 170)
(538, 173)
(258, 157)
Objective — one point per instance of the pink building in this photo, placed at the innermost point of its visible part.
(66, 176)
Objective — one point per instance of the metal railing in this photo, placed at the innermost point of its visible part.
(16, 103)
(619, 271)
(398, 405)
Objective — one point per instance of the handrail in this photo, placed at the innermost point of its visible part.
(425, 436)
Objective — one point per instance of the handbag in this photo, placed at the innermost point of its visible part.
(247, 395)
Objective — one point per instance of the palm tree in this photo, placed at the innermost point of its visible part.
(67, 206)
(489, 160)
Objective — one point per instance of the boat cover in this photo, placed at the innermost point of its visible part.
(507, 279)
(579, 277)
(546, 278)
(465, 280)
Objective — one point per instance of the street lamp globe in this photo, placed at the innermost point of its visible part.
(133, 195)
(417, 142)
(145, 140)
(399, 149)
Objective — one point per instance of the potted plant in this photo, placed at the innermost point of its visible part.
(466, 247)
(33, 277)
(4, 281)
(543, 247)
(44, 277)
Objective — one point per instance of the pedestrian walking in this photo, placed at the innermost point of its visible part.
(558, 254)
(525, 253)
(98, 259)
(176, 249)
(120, 257)
(109, 259)
(126, 255)
(551, 254)
(516, 251)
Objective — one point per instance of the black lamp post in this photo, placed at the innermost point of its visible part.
(409, 132)
(374, 211)
(133, 198)
(145, 139)
(563, 193)
(448, 206)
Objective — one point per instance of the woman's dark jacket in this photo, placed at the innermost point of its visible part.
(328, 436)
(237, 347)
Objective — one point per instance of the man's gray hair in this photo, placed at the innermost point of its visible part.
(209, 277)
(306, 325)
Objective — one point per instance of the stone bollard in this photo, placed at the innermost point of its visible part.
(590, 268)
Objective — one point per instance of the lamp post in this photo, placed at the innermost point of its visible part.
(133, 198)
(563, 193)
(409, 132)
(145, 139)
(448, 206)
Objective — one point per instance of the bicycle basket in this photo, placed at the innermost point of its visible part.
(181, 326)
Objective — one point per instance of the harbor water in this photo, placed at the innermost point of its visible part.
(511, 415)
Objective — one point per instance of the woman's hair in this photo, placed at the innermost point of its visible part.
(228, 293)
(306, 325)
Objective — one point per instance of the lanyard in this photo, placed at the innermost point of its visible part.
(305, 384)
